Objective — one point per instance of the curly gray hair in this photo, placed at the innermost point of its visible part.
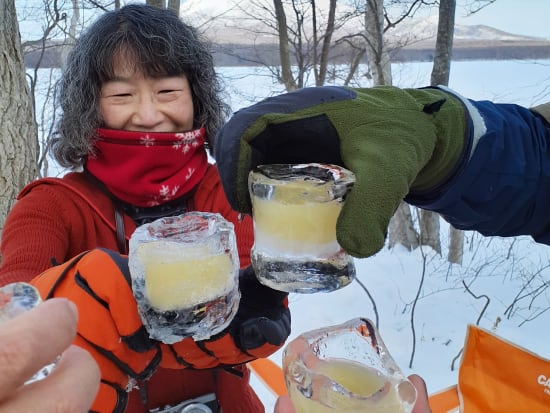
(160, 44)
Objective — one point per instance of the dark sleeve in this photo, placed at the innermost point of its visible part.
(503, 188)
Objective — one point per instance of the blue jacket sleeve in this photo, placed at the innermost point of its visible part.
(503, 187)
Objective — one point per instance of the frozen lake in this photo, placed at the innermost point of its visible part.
(526, 82)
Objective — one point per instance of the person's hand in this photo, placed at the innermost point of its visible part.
(422, 404)
(284, 405)
(260, 327)
(109, 325)
(396, 141)
(34, 339)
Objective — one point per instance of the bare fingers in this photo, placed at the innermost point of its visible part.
(33, 340)
(422, 405)
(70, 388)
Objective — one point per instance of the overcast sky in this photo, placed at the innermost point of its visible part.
(527, 17)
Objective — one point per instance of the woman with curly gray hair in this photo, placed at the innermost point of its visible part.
(141, 106)
(159, 46)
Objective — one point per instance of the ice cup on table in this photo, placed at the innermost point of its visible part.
(295, 208)
(345, 368)
(18, 298)
(185, 273)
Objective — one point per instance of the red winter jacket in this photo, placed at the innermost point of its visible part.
(55, 219)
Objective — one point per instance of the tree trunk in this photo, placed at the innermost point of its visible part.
(444, 43)
(284, 53)
(327, 41)
(429, 230)
(401, 230)
(440, 76)
(156, 3)
(166, 4)
(18, 132)
(456, 246)
(174, 5)
(377, 55)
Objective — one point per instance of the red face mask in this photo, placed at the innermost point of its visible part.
(148, 168)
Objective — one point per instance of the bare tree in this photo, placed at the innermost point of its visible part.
(440, 76)
(287, 77)
(473, 6)
(429, 222)
(402, 230)
(377, 53)
(18, 132)
(320, 70)
(306, 47)
(166, 4)
(444, 43)
(310, 40)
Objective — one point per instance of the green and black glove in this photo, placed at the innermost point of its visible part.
(394, 140)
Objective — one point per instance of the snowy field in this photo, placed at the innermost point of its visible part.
(511, 273)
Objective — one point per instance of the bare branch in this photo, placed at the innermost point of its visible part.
(375, 309)
(415, 301)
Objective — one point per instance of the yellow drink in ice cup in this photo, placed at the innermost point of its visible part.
(345, 368)
(177, 277)
(360, 389)
(292, 223)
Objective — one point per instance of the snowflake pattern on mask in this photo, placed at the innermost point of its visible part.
(187, 140)
(166, 193)
(147, 140)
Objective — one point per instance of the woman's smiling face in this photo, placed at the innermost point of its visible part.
(131, 101)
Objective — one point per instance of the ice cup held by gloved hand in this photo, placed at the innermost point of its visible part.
(295, 208)
(184, 273)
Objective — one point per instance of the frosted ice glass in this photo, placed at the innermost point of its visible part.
(295, 208)
(184, 273)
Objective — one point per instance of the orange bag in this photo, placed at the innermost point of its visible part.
(445, 401)
(497, 376)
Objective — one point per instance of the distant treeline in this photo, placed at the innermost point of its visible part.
(501, 51)
(267, 54)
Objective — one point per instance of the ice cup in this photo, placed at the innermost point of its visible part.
(295, 208)
(184, 272)
(18, 298)
(345, 368)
